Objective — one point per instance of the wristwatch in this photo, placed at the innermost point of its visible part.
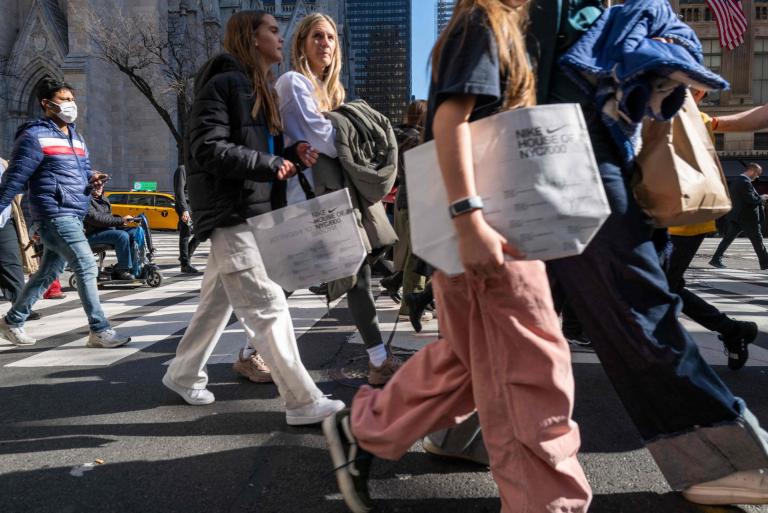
(465, 205)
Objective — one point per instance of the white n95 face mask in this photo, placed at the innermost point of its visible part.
(67, 112)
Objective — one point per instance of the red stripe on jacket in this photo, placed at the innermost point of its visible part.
(63, 150)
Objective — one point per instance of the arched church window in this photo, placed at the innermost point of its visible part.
(34, 110)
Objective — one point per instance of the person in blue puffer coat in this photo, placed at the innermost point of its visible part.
(50, 163)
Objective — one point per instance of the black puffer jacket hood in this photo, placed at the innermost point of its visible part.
(227, 151)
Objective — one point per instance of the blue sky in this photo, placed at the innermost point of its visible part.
(423, 37)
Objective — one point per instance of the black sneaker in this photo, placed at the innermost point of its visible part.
(34, 316)
(417, 303)
(351, 461)
(122, 276)
(736, 343)
(391, 285)
(716, 262)
(188, 269)
(580, 340)
(319, 290)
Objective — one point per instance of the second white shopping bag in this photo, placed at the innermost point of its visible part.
(311, 242)
(537, 175)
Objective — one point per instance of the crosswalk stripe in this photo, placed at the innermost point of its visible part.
(153, 327)
(72, 320)
(144, 331)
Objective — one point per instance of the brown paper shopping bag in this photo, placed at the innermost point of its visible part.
(679, 179)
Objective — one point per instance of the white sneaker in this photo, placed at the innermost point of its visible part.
(15, 334)
(193, 396)
(107, 338)
(745, 487)
(313, 412)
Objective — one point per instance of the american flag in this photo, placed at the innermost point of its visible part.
(731, 22)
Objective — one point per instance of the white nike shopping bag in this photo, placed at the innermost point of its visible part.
(314, 241)
(537, 175)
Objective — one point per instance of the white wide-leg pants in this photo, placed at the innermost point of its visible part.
(235, 279)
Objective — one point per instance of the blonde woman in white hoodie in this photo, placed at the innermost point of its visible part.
(305, 93)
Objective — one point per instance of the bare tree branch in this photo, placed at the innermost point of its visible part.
(159, 60)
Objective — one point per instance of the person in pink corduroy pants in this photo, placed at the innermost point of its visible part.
(502, 350)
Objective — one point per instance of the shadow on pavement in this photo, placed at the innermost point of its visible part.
(648, 502)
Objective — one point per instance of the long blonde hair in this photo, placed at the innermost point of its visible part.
(507, 25)
(328, 90)
(239, 41)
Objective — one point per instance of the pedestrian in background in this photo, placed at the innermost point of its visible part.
(744, 217)
(502, 350)
(11, 270)
(187, 243)
(11, 250)
(104, 227)
(409, 135)
(51, 161)
(686, 241)
(311, 89)
(233, 157)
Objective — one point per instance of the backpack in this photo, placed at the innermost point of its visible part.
(550, 36)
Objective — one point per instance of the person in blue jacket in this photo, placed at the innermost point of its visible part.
(50, 162)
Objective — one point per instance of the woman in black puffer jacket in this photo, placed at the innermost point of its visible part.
(233, 142)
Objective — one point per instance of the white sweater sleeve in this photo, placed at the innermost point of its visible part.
(302, 119)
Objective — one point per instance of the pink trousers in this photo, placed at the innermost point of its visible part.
(504, 354)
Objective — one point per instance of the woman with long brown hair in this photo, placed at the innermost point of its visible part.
(502, 351)
(312, 88)
(233, 145)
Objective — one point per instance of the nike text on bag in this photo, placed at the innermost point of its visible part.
(678, 180)
(537, 175)
(310, 242)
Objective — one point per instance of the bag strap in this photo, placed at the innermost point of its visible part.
(564, 7)
(305, 186)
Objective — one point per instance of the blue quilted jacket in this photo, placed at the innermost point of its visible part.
(51, 168)
(619, 62)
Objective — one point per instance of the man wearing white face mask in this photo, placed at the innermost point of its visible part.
(51, 162)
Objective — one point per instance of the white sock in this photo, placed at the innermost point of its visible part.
(377, 354)
(248, 350)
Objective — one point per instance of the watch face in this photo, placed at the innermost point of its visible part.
(465, 205)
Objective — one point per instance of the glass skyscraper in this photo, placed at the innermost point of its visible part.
(380, 43)
(444, 12)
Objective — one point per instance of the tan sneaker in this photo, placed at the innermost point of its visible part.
(380, 375)
(253, 367)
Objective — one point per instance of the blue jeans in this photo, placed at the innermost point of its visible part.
(694, 427)
(121, 240)
(63, 241)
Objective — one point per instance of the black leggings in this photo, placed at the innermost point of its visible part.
(362, 306)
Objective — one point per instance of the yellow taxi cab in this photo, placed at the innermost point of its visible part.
(157, 206)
